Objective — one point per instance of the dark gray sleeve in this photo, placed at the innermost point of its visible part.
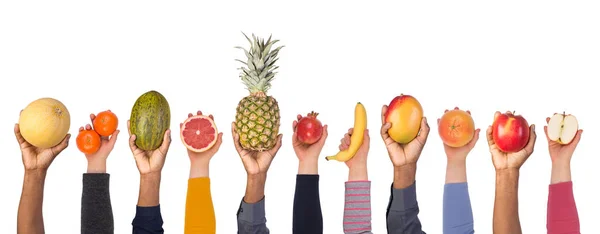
(96, 210)
(403, 210)
(251, 218)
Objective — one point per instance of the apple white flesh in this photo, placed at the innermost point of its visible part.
(562, 128)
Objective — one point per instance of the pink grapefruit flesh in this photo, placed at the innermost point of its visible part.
(199, 133)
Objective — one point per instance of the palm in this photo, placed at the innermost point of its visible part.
(255, 162)
(36, 158)
(151, 160)
(463, 151)
(106, 143)
(208, 154)
(408, 153)
(559, 152)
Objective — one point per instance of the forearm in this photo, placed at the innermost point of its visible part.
(403, 210)
(308, 167)
(149, 190)
(29, 217)
(251, 217)
(96, 165)
(199, 168)
(457, 211)
(357, 207)
(404, 176)
(96, 208)
(561, 172)
(456, 171)
(562, 217)
(307, 215)
(199, 209)
(506, 205)
(255, 188)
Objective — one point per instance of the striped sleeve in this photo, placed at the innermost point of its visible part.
(357, 207)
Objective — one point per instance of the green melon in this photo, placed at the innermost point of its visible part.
(150, 118)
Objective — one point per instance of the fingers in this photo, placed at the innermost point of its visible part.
(129, 128)
(323, 135)
(383, 111)
(438, 121)
(532, 137)
(384, 130)
(217, 145)
(299, 117)
(350, 131)
(456, 108)
(345, 140)
(164, 147)
(547, 119)
(88, 127)
(92, 117)
(190, 115)
(367, 138)
(577, 138)
(274, 150)
(546, 133)
(132, 145)
(446, 110)
(199, 113)
(496, 114)
(211, 117)
(18, 135)
(236, 139)
(475, 138)
(294, 124)
(422, 137)
(490, 137)
(62, 145)
(113, 138)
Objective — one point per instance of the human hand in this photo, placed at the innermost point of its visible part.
(97, 161)
(403, 154)
(308, 155)
(460, 153)
(150, 161)
(38, 159)
(360, 158)
(200, 161)
(255, 162)
(503, 160)
(559, 153)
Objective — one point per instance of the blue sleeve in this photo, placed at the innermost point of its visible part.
(403, 210)
(251, 218)
(458, 216)
(148, 220)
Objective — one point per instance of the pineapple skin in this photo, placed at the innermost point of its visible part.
(257, 122)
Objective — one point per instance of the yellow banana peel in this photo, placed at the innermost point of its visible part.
(356, 140)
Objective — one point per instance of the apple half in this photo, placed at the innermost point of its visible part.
(562, 128)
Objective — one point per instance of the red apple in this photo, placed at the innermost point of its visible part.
(510, 132)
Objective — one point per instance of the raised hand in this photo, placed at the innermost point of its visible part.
(255, 162)
(562, 153)
(403, 154)
(304, 151)
(152, 160)
(514, 160)
(360, 158)
(460, 153)
(206, 155)
(35, 158)
(97, 161)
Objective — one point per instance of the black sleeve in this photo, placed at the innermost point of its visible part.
(308, 218)
(96, 210)
(148, 220)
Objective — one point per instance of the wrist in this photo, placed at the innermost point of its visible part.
(456, 172)
(36, 173)
(308, 167)
(255, 188)
(150, 177)
(358, 172)
(507, 175)
(560, 173)
(404, 175)
(96, 166)
(199, 168)
(457, 162)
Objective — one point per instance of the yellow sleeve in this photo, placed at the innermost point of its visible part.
(199, 210)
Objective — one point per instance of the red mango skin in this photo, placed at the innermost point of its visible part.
(405, 113)
(510, 132)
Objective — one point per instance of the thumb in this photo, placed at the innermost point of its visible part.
(164, 147)
(274, 150)
(424, 131)
(113, 139)
(61, 146)
(324, 135)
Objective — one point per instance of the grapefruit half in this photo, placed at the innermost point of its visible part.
(199, 133)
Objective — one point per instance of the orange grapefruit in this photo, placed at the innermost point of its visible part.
(199, 133)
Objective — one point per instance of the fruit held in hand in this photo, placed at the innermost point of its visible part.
(45, 122)
(309, 129)
(88, 141)
(106, 123)
(562, 128)
(405, 114)
(257, 117)
(510, 132)
(150, 119)
(456, 128)
(199, 133)
(358, 134)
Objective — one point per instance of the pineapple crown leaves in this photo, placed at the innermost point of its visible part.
(260, 66)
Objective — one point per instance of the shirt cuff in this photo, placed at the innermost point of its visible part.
(252, 213)
(456, 186)
(362, 184)
(404, 199)
(563, 186)
(147, 211)
(96, 180)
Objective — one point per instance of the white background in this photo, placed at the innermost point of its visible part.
(534, 57)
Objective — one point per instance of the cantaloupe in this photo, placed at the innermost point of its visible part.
(45, 122)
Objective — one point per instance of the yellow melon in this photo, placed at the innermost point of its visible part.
(44, 122)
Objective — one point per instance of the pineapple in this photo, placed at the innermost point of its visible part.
(257, 115)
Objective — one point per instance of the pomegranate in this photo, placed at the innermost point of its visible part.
(309, 129)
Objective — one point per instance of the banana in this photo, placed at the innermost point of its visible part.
(356, 140)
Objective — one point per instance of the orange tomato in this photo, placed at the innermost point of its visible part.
(106, 123)
(88, 141)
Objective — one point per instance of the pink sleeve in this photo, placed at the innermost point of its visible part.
(562, 212)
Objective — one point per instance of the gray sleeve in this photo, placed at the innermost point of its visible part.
(96, 210)
(403, 210)
(251, 218)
